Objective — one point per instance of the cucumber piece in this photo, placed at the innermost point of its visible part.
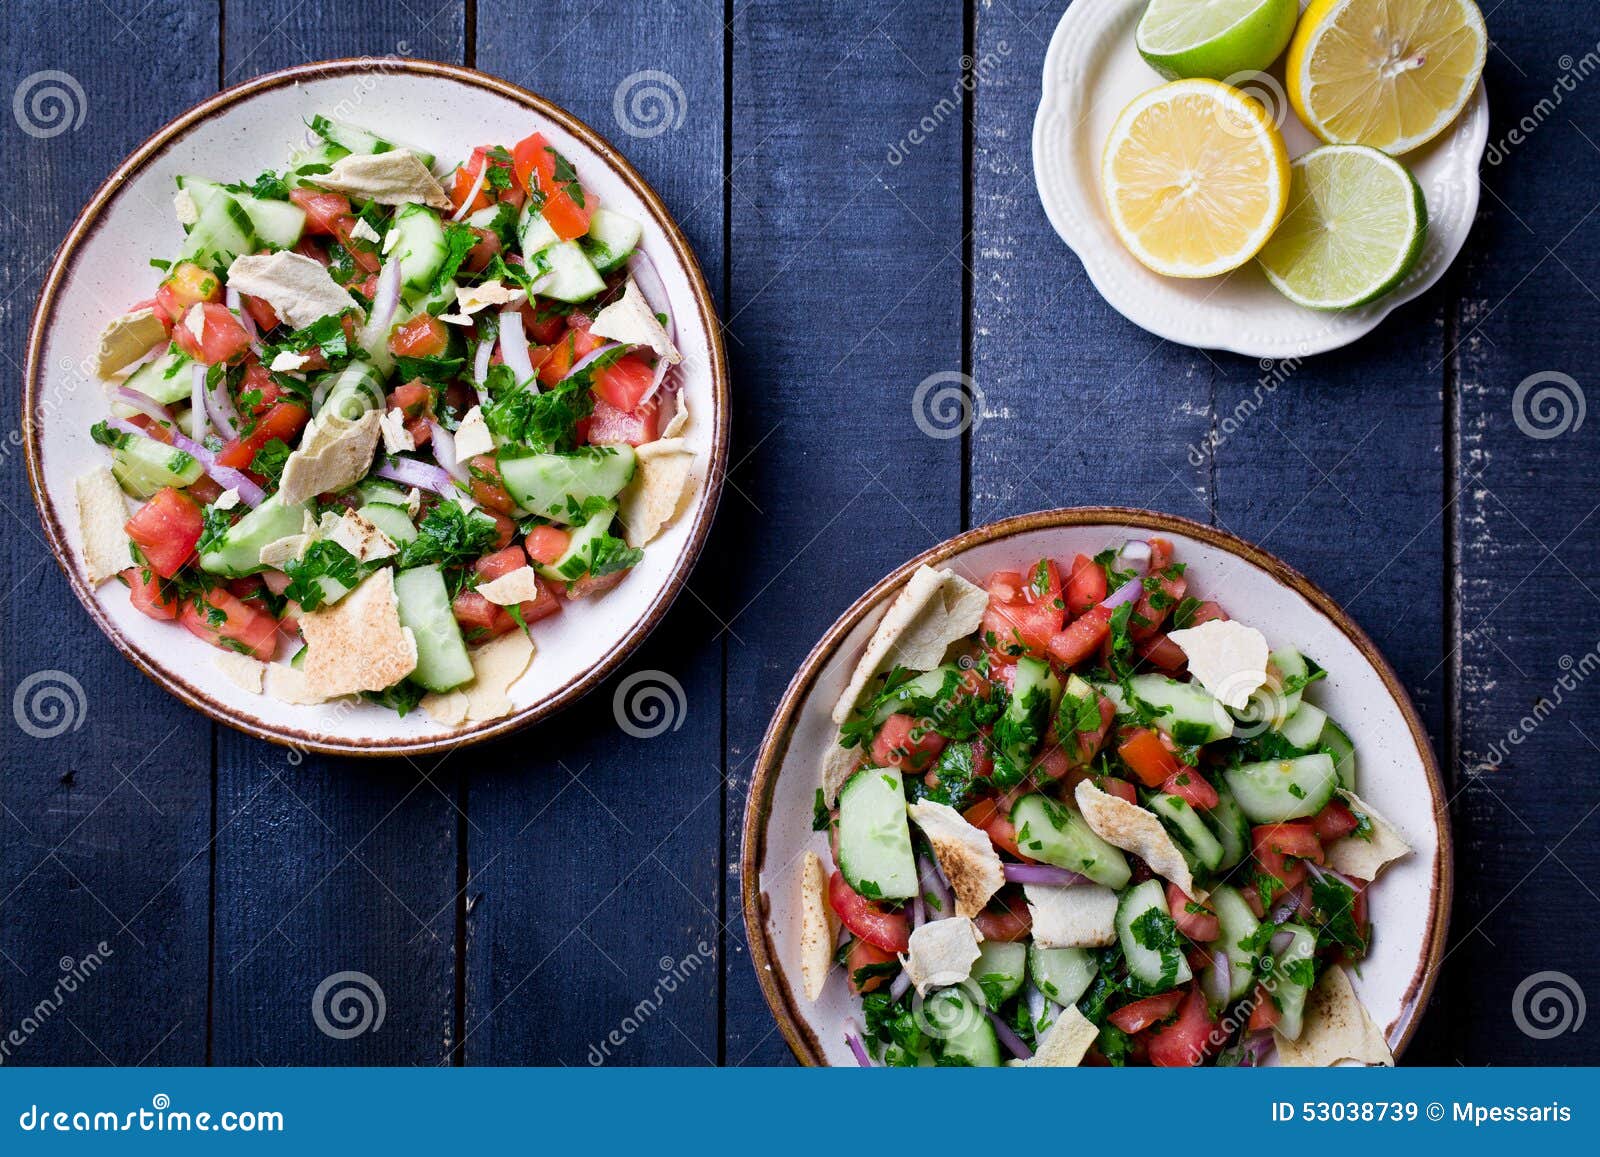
(321, 155)
(1276, 790)
(1056, 834)
(534, 234)
(278, 223)
(420, 248)
(961, 1033)
(351, 392)
(382, 491)
(1303, 729)
(574, 564)
(1290, 664)
(1191, 716)
(557, 486)
(1034, 695)
(1188, 830)
(1291, 967)
(611, 239)
(142, 466)
(1338, 745)
(1228, 823)
(999, 970)
(1062, 974)
(1238, 925)
(571, 278)
(875, 836)
(239, 551)
(352, 139)
(166, 380)
(1113, 692)
(1149, 939)
(392, 520)
(442, 661)
(222, 233)
(923, 687)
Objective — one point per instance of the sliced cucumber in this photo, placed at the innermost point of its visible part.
(611, 239)
(534, 234)
(351, 392)
(1238, 925)
(1056, 834)
(918, 689)
(1289, 992)
(166, 380)
(1188, 829)
(420, 248)
(571, 278)
(382, 491)
(1229, 824)
(1034, 695)
(1149, 939)
(1062, 974)
(222, 233)
(1290, 664)
(278, 223)
(999, 970)
(875, 836)
(574, 564)
(1191, 716)
(320, 156)
(442, 660)
(353, 139)
(392, 520)
(239, 551)
(1303, 729)
(558, 486)
(142, 466)
(1338, 744)
(1283, 789)
(961, 1034)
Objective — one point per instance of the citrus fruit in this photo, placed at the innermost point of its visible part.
(1214, 38)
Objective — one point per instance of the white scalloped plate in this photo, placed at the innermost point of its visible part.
(1091, 71)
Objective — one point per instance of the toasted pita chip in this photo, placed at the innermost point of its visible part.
(817, 930)
(299, 288)
(631, 321)
(446, 708)
(513, 587)
(1065, 1043)
(282, 550)
(396, 438)
(289, 685)
(942, 953)
(183, 205)
(473, 436)
(242, 671)
(680, 417)
(1226, 657)
(1336, 1028)
(395, 177)
(335, 454)
(364, 231)
(227, 500)
(965, 854)
(1135, 830)
(661, 482)
(838, 765)
(934, 610)
(1365, 856)
(470, 299)
(359, 644)
(126, 339)
(288, 361)
(356, 533)
(102, 516)
(1081, 916)
(496, 666)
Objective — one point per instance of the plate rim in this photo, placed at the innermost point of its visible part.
(779, 993)
(87, 220)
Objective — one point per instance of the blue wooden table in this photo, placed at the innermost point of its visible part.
(569, 895)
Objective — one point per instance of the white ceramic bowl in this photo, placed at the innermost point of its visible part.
(103, 267)
(1091, 71)
(1397, 773)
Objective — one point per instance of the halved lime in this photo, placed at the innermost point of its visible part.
(1355, 227)
(1214, 38)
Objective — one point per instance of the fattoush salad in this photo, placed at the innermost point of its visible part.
(380, 422)
(1080, 815)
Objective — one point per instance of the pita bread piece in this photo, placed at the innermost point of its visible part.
(838, 765)
(358, 644)
(396, 177)
(1133, 829)
(446, 708)
(934, 610)
(1336, 1028)
(473, 436)
(631, 321)
(126, 339)
(335, 454)
(365, 542)
(680, 418)
(242, 671)
(966, 855)
(942, 953)
(496, 666)
(1365, 856)
(299, 288)
(817, 929)
(513, 588)
(102, 517)
(1065, 1043)
(1080, 916)
(662, 480)
(288, 685)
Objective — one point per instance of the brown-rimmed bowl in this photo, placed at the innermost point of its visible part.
(103, 268)
(1398, 775)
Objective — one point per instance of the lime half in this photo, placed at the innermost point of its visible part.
(1214, 38)
(1355, 227)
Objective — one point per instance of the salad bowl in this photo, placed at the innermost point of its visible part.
(784, 837)
(104, 265)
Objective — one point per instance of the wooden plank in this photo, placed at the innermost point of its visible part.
(846, 296)
(326, 866)
(596, 887)
(1527, 538)
(105, 803)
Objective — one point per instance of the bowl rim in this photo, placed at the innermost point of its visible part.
(88, 220)
(780, 995)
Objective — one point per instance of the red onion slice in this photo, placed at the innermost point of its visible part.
(385, 300)
(591, 357)
(444, 452)
(480, 361)
(477, 186)
(197, 400)
(931, 881)
(423, 475)
(1286, 907)
(514, 348)
(1047, 874)
(854, 1041)
(225, 476)
(145, 404)
(1218, 981)
(1280, 941)
(900, 985)
(648, 278)
(1012, 1042)
(219, 408)
(1128, 592)
(235, 304)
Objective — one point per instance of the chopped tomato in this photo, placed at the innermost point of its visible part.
(322, 210)
(1120, 788)
(863, 955)
(363, 252)
(480, 619)
(624, 382)
(224, 620)
(995, 820)
(222, 338)
(260, 312)
(505, 528)
(1160, 651)
(1208, 611)
(1085, 745)
(1193, 919)
(1334, 821)
(1163, 590)
(542, 327)
(283, 422)
(1150, 756)
(1086, 585)
(546, 544)
(1184, 1042)
(487, 489)
(609, 426)
(166, 530)
(204, 490)
(1189, 785)
(424, 336)
(257, 390)
(870, 921)
(554, 362)
(1006, 919)
(1263, 1013)
(144, 592)
(1024, 611)
(1141, 1014)
(415, 401)
(902, 742)
(466, 182)
(186, 285)
(566, 204)
(1082, 637)
(1269, 843)
(479, 256)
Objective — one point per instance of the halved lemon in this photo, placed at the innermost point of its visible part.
(1196, 178)
(1392, 74)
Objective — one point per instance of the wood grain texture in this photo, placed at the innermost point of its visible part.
(324, 865)
(105, 800)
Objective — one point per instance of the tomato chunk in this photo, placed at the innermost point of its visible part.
(1148, 753)
(546, 544)
(609, 426)
(186, 285)
(144, 592)
(904, 743)
(226, 621)
(322, 210)
(423, 336)
(1193, 919)
(1189, 785)
(1082, 637)
(863, 955)
(166, 530)
(221, 338)
(890, 931)
(625, 381)
(1334, 821)
(1007, 918)
(1141, 1014)
(995, 820)
(1086, 585)
(284, 422)
(1185, 1042)
(539, 168)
